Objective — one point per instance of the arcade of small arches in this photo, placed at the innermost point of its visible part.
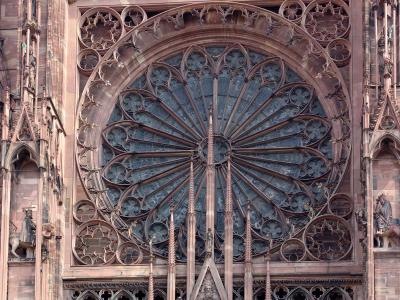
(279, 292)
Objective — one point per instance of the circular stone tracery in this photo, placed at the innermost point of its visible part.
(326, 20)
(328, 238)
(221, 149)
(267, 120)
(100, 28)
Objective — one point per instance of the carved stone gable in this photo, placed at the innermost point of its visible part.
(209, 284)
(208, 290)
(385, 116)
(24, 130)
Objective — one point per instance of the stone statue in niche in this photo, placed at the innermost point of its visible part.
(387, 66)
(30, 66)
(32, 70)
(386, 232)
(25, 239)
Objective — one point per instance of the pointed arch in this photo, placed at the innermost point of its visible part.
(21, 149)
(123, 295)
(386, 143)
(336, 293)
(88, 295)
(300, 292)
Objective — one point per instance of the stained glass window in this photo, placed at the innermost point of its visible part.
(267, 120)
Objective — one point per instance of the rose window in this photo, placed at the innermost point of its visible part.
(266, 120)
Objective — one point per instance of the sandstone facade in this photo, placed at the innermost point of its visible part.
(200, 149)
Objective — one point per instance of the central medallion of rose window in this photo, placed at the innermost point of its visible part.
(221, 149)
(266, 120)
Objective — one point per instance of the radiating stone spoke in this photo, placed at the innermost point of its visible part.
(153, 121)
(285, 104)
(265, 79)
(163, 81)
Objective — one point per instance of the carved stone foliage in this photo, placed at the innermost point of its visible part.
(48, 230)
(289, 151)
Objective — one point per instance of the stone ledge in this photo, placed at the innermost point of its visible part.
(390, 252)
(20, 262)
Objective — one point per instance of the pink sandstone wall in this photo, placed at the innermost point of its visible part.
(21, 281)
(387, 275)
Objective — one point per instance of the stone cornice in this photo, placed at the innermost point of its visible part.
(154, 4)
(125, 284)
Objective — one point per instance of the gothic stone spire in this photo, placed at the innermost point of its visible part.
(171, 258)
(191, 242)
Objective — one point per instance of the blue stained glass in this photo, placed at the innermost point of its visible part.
(269, 123)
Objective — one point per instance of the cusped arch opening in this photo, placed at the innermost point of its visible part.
(336, 293)
(300, 294)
